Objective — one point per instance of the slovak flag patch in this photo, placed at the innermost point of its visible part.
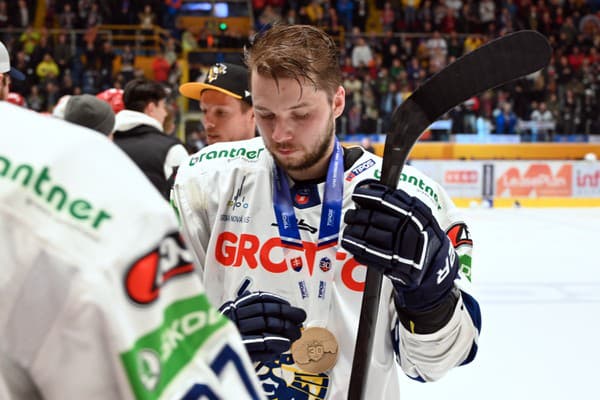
(296, 264)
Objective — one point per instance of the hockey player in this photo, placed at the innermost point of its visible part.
(225, 103)
(98, 299)
(296, 217)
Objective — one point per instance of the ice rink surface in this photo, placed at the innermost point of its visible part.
(537, 272)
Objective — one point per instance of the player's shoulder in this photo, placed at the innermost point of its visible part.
(68, 181)
(226, 156)
(416, 183)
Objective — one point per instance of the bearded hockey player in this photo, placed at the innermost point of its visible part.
(264, 217)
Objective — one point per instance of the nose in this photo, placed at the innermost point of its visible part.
(207, 122)
(281, 131)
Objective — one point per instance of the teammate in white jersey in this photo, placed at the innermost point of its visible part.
(264, 218)
(98, 296)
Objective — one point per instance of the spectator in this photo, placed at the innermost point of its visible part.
(35, 100)
(160, 68)
(62, 52)
(570, 115)
(410, 7)
(225, 103)
(139, 132)
(314, 12)
(127, 62)
(47, 69)
(23, 14)
(542, 116)
(362, 55)
(106, 58)
(367, 145)
(4, 18)
(67, 19)
(506, 120)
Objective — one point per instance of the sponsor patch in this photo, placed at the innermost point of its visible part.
(359, 169)
(157, 357)
(149, 273)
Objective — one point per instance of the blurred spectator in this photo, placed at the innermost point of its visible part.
(410, 8)
(106, 58)
(362, 55)
(47, 69)
(62, 52)
(570, 114)
(188, 41)
(506, 120)
(127, 62)
(314, 12)
(160, 68)
(29, 39)
(367, 145)
(542, 116)
(67, 19)
(35, 101)
(345, 10)
(24, 18)
(3, 15)
(487, 14)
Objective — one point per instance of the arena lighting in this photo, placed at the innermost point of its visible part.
(219, 10)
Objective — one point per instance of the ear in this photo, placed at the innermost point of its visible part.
(339, 101)
(150, 107)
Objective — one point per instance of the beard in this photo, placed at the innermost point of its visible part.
(310, 158)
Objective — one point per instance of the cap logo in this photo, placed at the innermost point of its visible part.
(215, 71)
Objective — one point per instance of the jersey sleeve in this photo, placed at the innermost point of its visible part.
(187, 193)
(428, 357)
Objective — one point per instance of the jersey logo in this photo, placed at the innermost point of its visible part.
(149, 273)
(305, 195)
(459, 235)
(359, 169)
(282, 380)
(296, 264)
(325, 264)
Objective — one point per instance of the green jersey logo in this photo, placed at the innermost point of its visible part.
(157, 357)
(57, 197)
(226, 153)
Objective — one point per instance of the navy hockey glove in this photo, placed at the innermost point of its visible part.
(397, 234)
(267, 322)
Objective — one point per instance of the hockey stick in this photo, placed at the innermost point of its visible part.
(498, 62)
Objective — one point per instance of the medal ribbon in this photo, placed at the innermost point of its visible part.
(331, 212)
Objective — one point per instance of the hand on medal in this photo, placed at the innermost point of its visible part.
(267, 322)
(398, 234)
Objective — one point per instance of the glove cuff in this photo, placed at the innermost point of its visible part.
(429, 321)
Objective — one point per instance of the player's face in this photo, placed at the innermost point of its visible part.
(296, 123)
(223, 118)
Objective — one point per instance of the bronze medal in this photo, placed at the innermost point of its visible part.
(316, 351)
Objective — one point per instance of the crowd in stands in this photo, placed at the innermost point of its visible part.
(387, 48)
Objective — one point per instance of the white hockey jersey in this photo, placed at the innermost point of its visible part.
(224, 195)
(98, 295)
